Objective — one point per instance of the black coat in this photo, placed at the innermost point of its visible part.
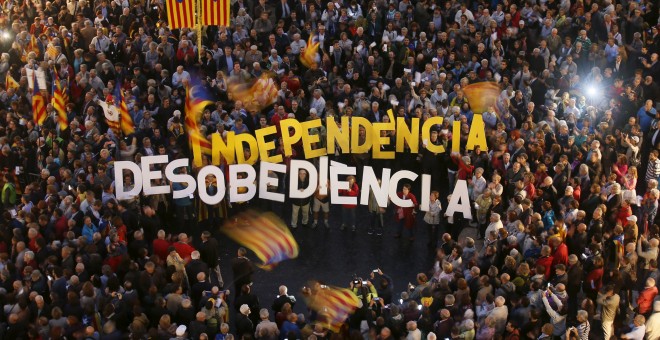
(242, 268)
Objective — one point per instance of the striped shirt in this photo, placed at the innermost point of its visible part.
(653, 170)
(583, 330)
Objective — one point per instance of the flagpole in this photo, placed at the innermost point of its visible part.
(198, 28)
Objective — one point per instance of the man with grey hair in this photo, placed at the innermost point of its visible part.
(495, 223)
(266, 329)
(499, 314)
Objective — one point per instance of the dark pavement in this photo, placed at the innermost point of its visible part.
(333, 256)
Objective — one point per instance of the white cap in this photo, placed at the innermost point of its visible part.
(434, 59)
(177, 113)
(181, 330)
(635, 139)
(632, 218)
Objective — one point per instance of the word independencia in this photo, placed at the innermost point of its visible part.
(345, 136)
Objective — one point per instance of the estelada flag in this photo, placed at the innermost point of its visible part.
(38, 103)
(125, 119)
(196, 101)
(216, 12)
(180, 13)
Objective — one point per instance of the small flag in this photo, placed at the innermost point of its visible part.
(52, 51)
(38, 103)
(216, 13)
(10, 83)
(261, 94)
(59, 103)
(111, 114)
(310, 55)
(266, 235)
(195, 104)
(125, 119)
(180, 14)
(333, 305)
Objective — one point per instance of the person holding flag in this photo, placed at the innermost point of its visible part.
(39, 113)
(59, 103)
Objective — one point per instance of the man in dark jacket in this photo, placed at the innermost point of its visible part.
(244, 325)
(242, 269)
(209, 254)
(283, 298)
(301, 204)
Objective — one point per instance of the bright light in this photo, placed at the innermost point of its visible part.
(592, 91)
(6, 35)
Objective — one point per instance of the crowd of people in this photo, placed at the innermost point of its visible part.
(565, 198)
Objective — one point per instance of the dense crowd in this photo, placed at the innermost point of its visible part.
(564, 200)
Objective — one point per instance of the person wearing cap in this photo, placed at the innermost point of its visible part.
(630, 231)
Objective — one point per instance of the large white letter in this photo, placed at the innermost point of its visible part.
(247, 182)
(180, 178)
(337, 169)
(460, 194)
(119, 167)
(148, 175)
(323, 175)
(426, 193)
(312, 175)
(220, 180)
(370, 182)
(265, 181)
(394, 183)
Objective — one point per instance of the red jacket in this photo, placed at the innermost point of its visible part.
(354, 191)
(547, 263)
(408, 216)
(160, 248)
(184, 250)
(560, 255)
(645, 299)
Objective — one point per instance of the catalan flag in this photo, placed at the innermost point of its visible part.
(195, 103)
(10, 83)
(333, 305)
(38, 103)
(59, 103)
(180, 13)
(52, 51)
(216, 12)
(111, 114)
(266, 235)
(125, 119)
(261, 94)
(482, 95)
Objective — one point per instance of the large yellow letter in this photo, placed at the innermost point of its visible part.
(265, 147)
(379, 141)
(477, 134)
(357, 123)
(426, 134)
(252, 146)
(337, 135)
(310, 139)
(220, 148)
(197, 152)
(287, 139)
(403, 133)
(456, 137)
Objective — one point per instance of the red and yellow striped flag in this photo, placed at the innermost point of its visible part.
(10, 83)
(59, 103)
(180, 13)
(195, 105)
(52, 51)
(266, 235)
(216, 12)
(125, 119)
(38, 103)
(333, 305)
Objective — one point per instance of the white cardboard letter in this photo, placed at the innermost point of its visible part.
(265, 181)
(148, 175)
(119, 167)
(247, 182)
(460, 194)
